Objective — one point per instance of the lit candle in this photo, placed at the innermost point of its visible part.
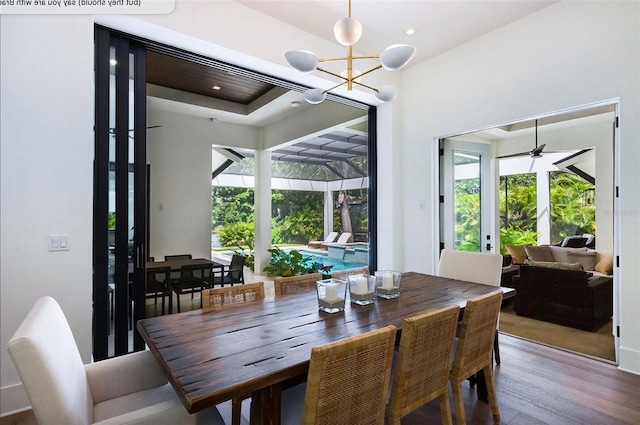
(387, 281)
(332, 292)
(361, 285)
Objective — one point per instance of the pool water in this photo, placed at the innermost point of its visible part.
(327, 261)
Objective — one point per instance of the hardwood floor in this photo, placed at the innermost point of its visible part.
(535, 384)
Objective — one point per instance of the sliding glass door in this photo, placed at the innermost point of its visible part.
(119, 195)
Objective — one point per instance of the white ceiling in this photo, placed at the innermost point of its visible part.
(440, 25)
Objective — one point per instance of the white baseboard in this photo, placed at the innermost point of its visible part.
(13, 399)
(629, 360)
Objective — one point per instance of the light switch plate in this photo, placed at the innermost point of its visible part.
(58, 242)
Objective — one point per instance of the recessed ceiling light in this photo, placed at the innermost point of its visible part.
(410, 31)
(295, 104)
(216, 87)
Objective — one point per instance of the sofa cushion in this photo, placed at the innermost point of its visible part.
(587, 259)
(560, 253)
(556, 265)
(539, 253)
(605, 265)
(517, 252)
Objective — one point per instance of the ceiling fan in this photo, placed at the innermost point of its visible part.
(533, 153)
(112, 130)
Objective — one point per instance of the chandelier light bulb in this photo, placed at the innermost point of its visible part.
(314, 96)
(347, 31)
(302, 60)
(386, 93)
(397, 56)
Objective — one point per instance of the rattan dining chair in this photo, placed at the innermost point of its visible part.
(474, 350)
(295, 284)
(423, 364)
(216, 298)
(347, 382)
(477, 267)
(344, 274)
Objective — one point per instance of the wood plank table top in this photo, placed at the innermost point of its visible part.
(210, 357)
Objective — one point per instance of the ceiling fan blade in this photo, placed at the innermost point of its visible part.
(514, 155)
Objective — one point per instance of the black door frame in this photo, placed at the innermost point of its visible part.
(129, 257)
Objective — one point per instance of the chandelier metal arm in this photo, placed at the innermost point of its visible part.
(369, 71)
(366, 86)
(332, 73)
(347, 58)
(347, 32)
(335, 87)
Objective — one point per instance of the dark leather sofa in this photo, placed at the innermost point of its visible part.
(568, 297)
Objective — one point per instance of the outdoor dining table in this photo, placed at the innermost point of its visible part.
(254, 348)
(177, 263)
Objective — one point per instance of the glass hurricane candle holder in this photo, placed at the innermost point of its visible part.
(362, 289)
(388, 284)
(331, 295)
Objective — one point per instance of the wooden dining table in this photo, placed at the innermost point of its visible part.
(256, 347)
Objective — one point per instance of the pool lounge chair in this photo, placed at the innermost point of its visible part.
(342, 240)
(318, 244)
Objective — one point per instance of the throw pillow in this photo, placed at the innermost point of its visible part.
(517, 252)
(556, 265)
(605, 265)
(587, 259)
(560, 254)
(539, 253)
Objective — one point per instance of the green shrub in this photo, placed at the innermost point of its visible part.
(514, 236)
(288, 263)
(236, 234)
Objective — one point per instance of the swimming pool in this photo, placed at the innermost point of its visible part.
(337, 264)
(319, 257)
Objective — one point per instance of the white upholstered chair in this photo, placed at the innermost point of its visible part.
(477, 267)
(129, 389)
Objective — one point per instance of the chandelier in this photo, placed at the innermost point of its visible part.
(347, 32)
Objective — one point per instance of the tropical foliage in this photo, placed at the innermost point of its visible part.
(518, 210)
(288, 263)
(297, 216)
(568, 214)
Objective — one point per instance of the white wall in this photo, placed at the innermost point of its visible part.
(566, 55)
(46, 145)
(179, 154)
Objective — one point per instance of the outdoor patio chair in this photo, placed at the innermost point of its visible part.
(231, 274)
(343, 239)
(331, 237)
(193, 279)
